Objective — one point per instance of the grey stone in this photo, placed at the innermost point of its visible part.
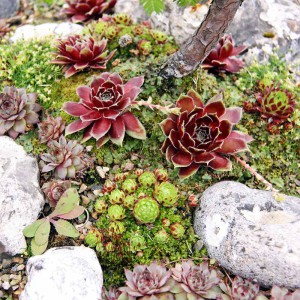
(20, 197)
(252, 234)
(252, 20)
(177, 21)
(66, 273)
(42, 31)
(280, 17)
(131, 8)
(8, 8)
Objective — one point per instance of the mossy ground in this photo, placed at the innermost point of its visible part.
(275, 157)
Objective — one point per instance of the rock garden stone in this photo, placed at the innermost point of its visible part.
(8, 8)
(28, 32)
(177, 21)
(20, 197)
(251, 233)
(275, 18)
(132, 8)
(64, 273)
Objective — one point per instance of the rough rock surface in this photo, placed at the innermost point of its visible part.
(8, 8)
(132, 8)
(252, 234)
(28, 32)
(280, 17)
(66, 273)
(177, 21)
(20, 197)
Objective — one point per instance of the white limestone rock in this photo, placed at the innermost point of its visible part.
(179, 22)
(28, 32)
(66, 273)
(252, 234)
(252, 20)
(20, 197)
(131, 8)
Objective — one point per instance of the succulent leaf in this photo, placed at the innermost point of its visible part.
(220, 58)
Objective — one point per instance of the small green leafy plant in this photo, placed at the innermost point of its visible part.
(67, 208)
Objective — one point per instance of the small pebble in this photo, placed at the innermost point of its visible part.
(85, 200)
(5, 285)
(20, 267)
(14, 268)
(6, 263)
(5, 277)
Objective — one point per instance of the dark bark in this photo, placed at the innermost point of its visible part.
(197, 47)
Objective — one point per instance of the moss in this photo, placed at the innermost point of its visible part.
(27, 64)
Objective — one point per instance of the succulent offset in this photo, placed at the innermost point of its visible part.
(17, 111)
(146, 210)
(133, 221)
(76, 54)
(66, 159)
(220, 58)
(197, 281)
(54, 189)
(93, 237)
(103, 109)
(137, 243)
(86, 10)
(166, 194)
(278, 293)
(272, 102)
(51, 129)
(177, 230)
(147, 280)
(116, 212)
(202, 134)
(243, 289)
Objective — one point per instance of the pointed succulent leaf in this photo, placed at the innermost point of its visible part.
(65, 228)
(68, 201)
(42, 233)
(30, 230)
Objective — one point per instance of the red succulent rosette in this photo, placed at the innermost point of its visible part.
(220, 58)
(272, 102)
(78, 54)
(103, 109)
(86, 10)
(202, 134)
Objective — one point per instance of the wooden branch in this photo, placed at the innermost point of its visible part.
(198, 46)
